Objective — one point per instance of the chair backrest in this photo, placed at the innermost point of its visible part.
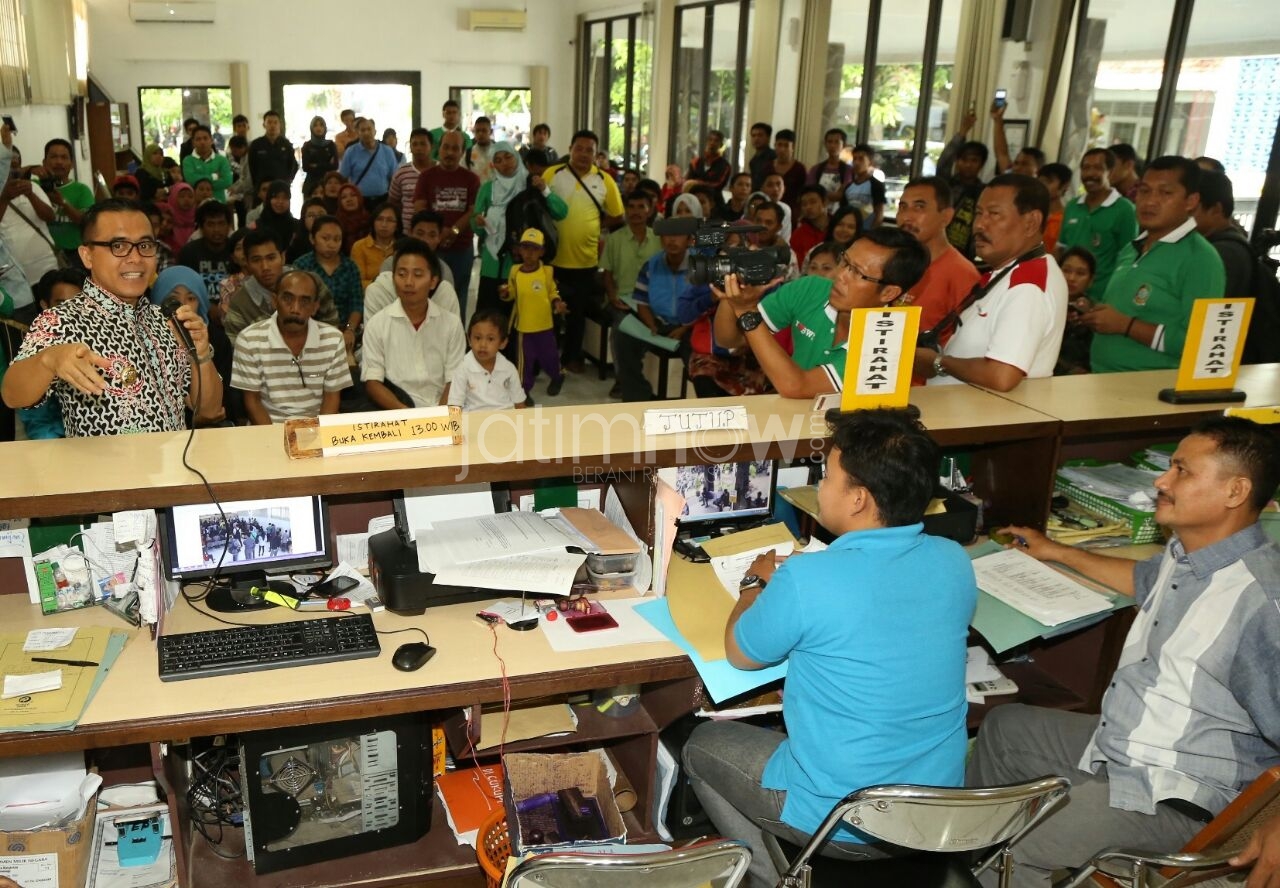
(944, 819)
(721, 864)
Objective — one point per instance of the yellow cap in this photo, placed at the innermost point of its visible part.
(532, 236)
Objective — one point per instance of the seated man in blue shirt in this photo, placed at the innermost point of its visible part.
(873, 631)
(1192, 714)
(667, 304)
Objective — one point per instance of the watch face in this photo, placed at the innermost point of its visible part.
(749, 321)
(748, 581)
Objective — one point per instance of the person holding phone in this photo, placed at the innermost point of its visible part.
(1028, 160)
(70, 199)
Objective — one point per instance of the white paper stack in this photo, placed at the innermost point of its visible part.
(1035, 589)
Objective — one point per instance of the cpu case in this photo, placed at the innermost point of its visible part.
(320, 792)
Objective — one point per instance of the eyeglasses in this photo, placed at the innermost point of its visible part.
(121, 248)
(846, 265)
(302, 377)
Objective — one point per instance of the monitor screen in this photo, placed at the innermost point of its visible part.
(257, 536)
(724, 491)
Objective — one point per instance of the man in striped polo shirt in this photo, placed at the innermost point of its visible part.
(288, 365)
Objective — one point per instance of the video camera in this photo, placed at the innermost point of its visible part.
(754, 267)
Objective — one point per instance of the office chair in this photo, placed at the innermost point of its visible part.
(1204, 857)
(947, 824)
(721, 863)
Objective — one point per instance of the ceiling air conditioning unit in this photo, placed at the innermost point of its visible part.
(496, 19)
(185, 11)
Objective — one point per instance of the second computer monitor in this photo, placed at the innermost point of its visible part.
(724, 492)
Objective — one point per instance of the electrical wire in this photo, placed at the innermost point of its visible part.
(214, 798)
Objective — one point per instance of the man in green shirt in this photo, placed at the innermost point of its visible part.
(879, 268)
(70, 199)
(452, 114)
(1100, 220)
(627, 249)
(204, 163)
(1142, 321)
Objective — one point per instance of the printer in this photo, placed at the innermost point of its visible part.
(393, 570)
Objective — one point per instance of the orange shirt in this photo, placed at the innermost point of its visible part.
(1052, 226)
(949, 279)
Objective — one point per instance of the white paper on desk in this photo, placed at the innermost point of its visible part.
(134, 526)
(978, 666)
(468, 540)
(538, 573)
(814, 545)
(48, 639)
(428, 506)
(105, 555)
(105, 870)
(1035, 589)
(31, 870)
(644, 566)
(44, 789)
(15, 542)
(381, 523)
(353, 548)
(632, 629)
(32, 683)
(730, 569)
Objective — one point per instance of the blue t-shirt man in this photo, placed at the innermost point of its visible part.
(874, 631)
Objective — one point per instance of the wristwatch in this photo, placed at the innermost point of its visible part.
(749, 320)
(938, 369)
(205, 358)
(749, 581)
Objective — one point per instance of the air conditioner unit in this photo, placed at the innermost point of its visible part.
(185, 11)
(496, 19)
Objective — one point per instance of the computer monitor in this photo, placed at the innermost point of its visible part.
(724, 492)
(256, 538)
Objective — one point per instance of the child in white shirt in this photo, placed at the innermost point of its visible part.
(486, 379)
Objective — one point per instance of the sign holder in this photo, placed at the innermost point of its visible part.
(1211, 355)
(372, 432)
(877, 370)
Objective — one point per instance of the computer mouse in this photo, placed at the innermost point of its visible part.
(413, 655)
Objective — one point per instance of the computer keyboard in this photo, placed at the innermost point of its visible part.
(269, 646)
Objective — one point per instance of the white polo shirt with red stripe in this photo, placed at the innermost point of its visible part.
(1020, 322)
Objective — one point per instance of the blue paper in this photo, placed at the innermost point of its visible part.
(723, 680)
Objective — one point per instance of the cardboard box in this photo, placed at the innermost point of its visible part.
(529, 776)
(30, 853)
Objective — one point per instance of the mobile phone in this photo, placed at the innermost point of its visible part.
(1001, 100)
(8, 121)
(333, 588)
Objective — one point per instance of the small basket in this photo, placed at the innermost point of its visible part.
(493, 848)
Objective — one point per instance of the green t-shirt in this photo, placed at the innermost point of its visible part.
(217, 169)
(438, 133)
(624, 256)
(1103, 231)
(1160, 288)
(802, 305)
(65, 233)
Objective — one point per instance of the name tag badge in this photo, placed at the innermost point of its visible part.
(1142, 296)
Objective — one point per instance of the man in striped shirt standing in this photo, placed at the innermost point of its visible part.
(1192, 713)
(289, 365)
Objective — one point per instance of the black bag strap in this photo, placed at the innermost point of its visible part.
(34, 227)
(367, 166)
(574, 173)
(952, 320)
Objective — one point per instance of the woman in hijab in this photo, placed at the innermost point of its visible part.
(686, 205)
(151, 175)
(276, 217)
(187, 286)
(508, 180)
(182, 215)
(353, 216)
(319, 156)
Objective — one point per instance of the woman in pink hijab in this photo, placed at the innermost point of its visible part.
(182, 207)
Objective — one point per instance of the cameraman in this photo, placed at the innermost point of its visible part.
(666, 303)
(877, 270)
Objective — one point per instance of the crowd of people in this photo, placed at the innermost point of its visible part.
(193, 295)
(1020, 276)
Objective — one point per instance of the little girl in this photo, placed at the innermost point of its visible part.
(486, 380)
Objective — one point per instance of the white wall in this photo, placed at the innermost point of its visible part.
(271, 35)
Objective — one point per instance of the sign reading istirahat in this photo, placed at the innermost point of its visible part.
(877, 371)
(1215, 342)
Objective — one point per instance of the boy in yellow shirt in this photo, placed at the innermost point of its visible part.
(533, 288)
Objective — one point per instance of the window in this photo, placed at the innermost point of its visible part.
(710, 78)
(846, 43)
(507, 108)
(617, 86)
(392, 99)
(163, 108)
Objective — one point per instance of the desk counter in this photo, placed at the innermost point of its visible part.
(80, 476)
(134, 706)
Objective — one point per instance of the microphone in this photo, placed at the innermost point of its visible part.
(169, 307)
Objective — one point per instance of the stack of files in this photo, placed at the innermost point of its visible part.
(1124, 484)
(1159, 457)
(519, 551)
(1075, 526)
(1037, 590)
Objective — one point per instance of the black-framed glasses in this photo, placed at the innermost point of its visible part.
(846, 265)
(120, 248)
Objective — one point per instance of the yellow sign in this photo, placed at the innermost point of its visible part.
(877, 370)
(1215, 342)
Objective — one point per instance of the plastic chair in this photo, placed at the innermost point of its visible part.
(1204, 857)
(947, 824)
(721, 863)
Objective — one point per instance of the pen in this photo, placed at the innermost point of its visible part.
(62, 662)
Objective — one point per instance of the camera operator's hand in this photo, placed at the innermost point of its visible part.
(743, 297)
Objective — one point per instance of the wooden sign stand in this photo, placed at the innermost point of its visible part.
(373, 432)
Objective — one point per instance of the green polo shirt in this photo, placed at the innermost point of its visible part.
(216, 169)
(65, 233)
(1159, 287)
(624, 256)
(803, 306)
(1104, 231)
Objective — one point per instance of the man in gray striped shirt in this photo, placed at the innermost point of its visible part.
(289, 365)
(1192, 714)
